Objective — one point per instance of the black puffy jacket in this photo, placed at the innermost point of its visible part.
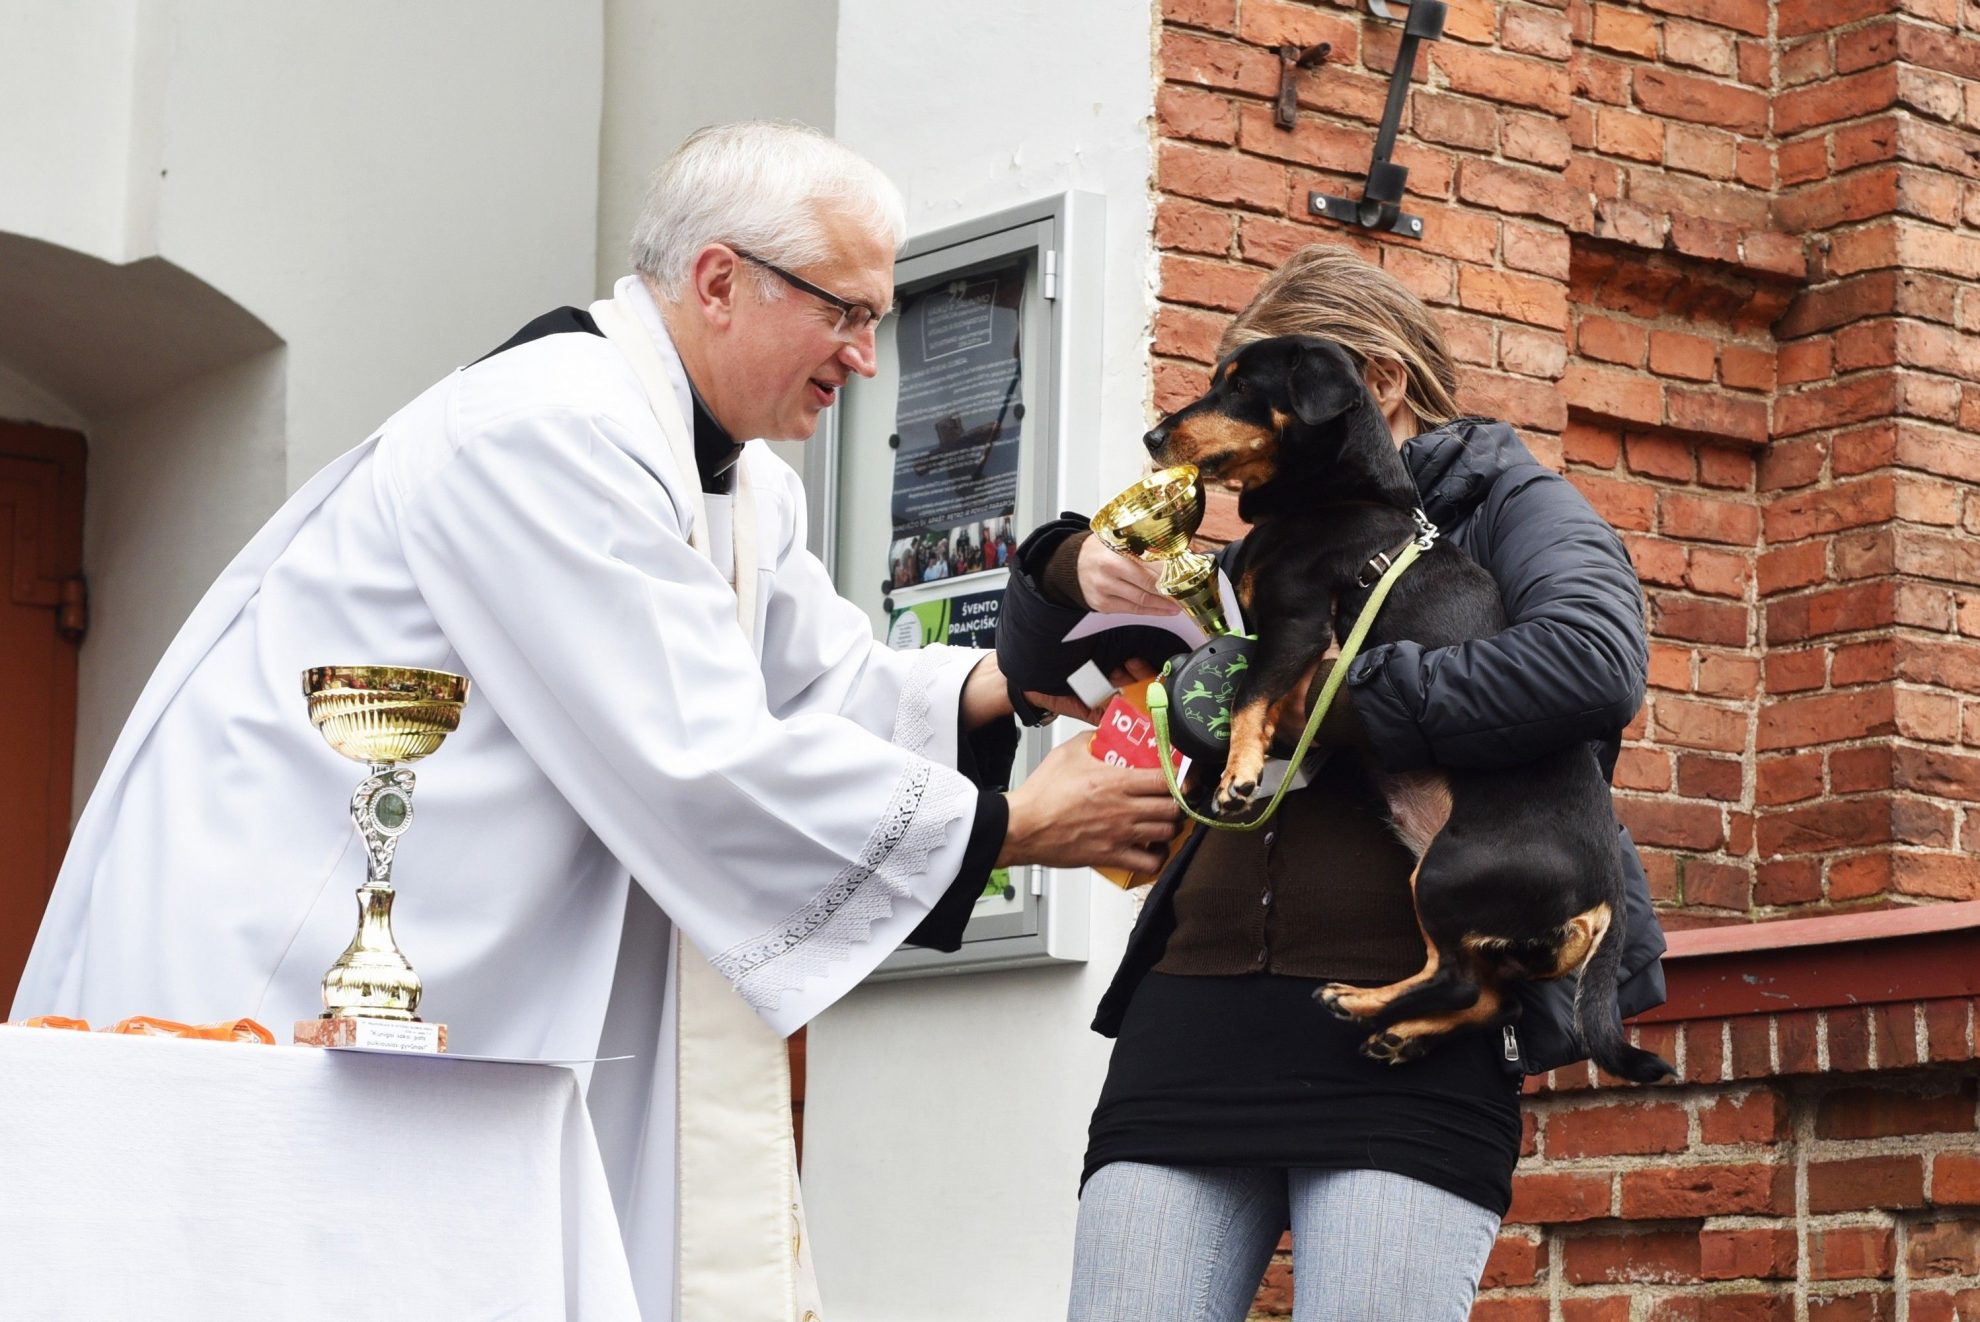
(1570, 666)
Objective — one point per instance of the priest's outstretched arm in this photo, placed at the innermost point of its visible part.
(797, 816)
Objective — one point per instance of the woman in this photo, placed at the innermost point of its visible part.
(1234, 1107)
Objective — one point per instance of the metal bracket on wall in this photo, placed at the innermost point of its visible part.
(1380, 204)
(1291, 60)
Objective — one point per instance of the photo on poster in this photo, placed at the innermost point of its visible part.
(931, 557)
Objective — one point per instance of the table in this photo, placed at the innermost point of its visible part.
(164, 1179)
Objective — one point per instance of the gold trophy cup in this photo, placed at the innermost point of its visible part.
(1154, 519)
(382, 716)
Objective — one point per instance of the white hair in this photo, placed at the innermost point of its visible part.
(762, 186)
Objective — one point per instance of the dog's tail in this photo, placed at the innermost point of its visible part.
(1595, 1015)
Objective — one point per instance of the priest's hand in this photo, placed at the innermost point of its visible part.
(1076, 811)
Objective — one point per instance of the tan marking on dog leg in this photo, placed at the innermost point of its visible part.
(1411, 1038)
(1584, 933)
(1247, 756)
(1419, 806)
(1363, 1002)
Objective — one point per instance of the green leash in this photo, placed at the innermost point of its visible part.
(1158, 696)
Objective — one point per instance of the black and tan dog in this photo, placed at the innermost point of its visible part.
(1518, 873)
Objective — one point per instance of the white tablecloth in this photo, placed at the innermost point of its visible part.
(161, 1179)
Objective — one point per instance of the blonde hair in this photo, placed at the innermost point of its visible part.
(1335, 293)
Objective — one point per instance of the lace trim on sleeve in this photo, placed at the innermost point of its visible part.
(913, 727)
(926, 801)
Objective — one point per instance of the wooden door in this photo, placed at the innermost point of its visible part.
(42, 615)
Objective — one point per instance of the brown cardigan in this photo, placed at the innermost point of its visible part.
(1320, 892)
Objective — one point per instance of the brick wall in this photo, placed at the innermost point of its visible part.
(1710, 256)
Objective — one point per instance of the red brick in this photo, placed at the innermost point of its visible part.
(1843, 1253)
(1700, 100)
(1792, 779)
(1519, 297)
(1956, 1179)
(1214, 176)
(1748, 16)
(1824, 827)
(1762, 1253)
(1613, 1128)
(1550, 1198)
(1518, 191)
(1612, 341)
(1209, 62)
(1515, 1260)
(1691, 357)
(1944, 1248)
(1703, 519)
(1672, 824)
(1760, 1116)
(1884, 1111)
(1220, 15)
(1865, 1183)
(1625, 31)
(1604, 1308)
(1835, 100)
(1181, 225)
(1201, 283)
(1710, 778)
(1183, 112)
(1948, 1030)
(1626, 505)
(1644, 1256)
(1509, 1310)
(1709, 1190)
(1797, 1039)
(1894, 1032)
(1878, 1305)
(1693, 619)
(1512, 79)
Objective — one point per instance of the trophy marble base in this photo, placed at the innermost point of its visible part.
(373, 1034)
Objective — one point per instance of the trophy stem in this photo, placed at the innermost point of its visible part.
(1191, 578)
(372, 979)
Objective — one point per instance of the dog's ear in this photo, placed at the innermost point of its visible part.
(1324, 383)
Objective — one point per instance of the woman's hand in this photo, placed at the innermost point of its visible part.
(1076, 811)
(1116, 584)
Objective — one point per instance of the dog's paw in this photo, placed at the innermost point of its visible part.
(1233, 797)
(1391, 1049)
(1333, 997)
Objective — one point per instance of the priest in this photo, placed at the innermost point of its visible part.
(691, 802)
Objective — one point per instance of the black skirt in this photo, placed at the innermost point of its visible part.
(1251, 1071)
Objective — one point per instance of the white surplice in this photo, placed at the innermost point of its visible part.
(786, 801)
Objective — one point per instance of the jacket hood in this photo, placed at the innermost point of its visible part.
(1456, 464)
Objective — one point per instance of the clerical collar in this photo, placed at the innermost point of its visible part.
(715, 451)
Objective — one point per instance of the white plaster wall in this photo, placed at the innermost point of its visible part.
(390, 189)
(945, 1118)
(65, 120)
(23, 400)
(175, 487)
(671, 68)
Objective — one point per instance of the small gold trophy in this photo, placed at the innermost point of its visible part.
(1154, 519)
(381, 716)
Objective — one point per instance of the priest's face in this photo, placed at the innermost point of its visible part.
(789, 347)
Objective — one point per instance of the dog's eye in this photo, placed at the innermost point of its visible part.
(1240, 386)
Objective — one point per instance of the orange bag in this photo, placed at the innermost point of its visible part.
(56, 1021)
(232, 1030)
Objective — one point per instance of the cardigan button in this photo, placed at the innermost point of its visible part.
(1266, 899)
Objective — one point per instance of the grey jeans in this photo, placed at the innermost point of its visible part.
(1190, 1244)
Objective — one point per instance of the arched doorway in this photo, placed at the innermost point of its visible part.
(169, 451)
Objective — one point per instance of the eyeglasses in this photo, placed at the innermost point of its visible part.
(855, 319)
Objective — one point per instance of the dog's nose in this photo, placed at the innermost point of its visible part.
(1156, 438)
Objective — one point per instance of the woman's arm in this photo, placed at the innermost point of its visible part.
(1569, 668)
